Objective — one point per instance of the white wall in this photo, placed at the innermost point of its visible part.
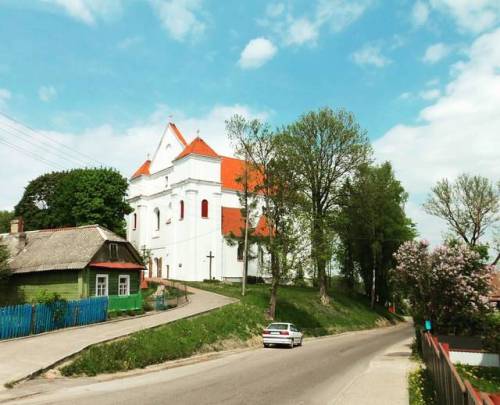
(475, 358)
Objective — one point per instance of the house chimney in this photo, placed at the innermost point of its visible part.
(17, 226)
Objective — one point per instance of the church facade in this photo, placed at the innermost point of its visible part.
(185, 207)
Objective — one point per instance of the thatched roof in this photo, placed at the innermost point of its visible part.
(56, 249)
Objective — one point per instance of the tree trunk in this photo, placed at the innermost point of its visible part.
(274, 297)
(322, 279)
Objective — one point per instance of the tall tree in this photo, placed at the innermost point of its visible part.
(5, 218)
(469, 206)
(76, 197)
(372, 224)
(323, 148)
(261, 148)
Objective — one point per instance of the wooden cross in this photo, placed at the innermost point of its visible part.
(210, 257)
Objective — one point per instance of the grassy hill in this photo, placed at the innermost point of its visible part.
(237, 323)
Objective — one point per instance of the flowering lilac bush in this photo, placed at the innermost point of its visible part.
(449, 285)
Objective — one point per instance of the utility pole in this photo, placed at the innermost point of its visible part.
(245, 246)
(210, 257)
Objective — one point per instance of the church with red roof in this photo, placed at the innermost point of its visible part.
(186, 212)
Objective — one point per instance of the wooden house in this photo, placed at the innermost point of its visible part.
(75, 262)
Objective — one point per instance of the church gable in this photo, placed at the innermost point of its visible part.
(171, 144)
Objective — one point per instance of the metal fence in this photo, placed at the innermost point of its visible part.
(130, 302)
(27, 319)
(449, 386)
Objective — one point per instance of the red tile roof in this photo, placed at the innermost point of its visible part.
(117, 265)
(233, 223)
(197, 147)
(231, 169)
(143, 170)
(177, 133)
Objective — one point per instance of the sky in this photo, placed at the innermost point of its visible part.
(95, 81)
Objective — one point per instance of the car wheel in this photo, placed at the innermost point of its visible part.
(291, 344)
(300, 343)
(266, 344)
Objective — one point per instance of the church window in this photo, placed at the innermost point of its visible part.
(157, 219)
(204, 209)
(166, 181)
(241, 247)
(182, 209)
(135, 221)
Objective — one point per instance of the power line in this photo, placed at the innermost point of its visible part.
(60, 144)
(31, 154)
(44, 148)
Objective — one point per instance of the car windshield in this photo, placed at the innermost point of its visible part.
(278, 326)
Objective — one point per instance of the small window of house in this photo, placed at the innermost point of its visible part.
(101, 285)
(166, 181)
(181, 210)
(113, 251)
(157, 219)
(135, 221)
(123, 284)
(204, 209)
(241, 247)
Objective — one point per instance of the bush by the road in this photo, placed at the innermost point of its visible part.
(420, 387)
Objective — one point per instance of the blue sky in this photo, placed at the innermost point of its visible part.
(103, 76)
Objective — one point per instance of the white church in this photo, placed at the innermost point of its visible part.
(185, 205)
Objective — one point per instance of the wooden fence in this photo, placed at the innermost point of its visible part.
(27, 319)
(449, 386)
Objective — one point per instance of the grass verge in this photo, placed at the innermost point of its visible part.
(420, 387)
(237, 322)
(485, 379)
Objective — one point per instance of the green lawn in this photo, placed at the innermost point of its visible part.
(486, 379)
(237, 322)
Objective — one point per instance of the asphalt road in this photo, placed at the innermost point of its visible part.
(316, 373)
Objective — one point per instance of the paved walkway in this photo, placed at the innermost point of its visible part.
(21, 358)
(385, 381)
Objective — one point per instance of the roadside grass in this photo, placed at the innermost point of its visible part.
(173, 341)
(420, 387)
(301, 306)
(485, 379)
(237, 322)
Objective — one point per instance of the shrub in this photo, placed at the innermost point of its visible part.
(420, 387)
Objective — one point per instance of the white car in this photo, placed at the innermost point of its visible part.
(279, 333)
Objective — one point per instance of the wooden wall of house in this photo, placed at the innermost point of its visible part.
(124, 254)
(21, 288)
(113, 274)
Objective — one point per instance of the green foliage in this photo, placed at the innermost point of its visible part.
(372, 225)
(485, 379)
(420, 387)
(323, 148)
(239, 322)
(176, 340)
(47, 297)
(4, 263)
(491, 332)
(5, 218)
(469, 205)
(76, 197)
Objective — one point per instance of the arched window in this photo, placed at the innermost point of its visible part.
(182, 209)
(241, 248)
(157, 219)
(135, 221)
(204, 209)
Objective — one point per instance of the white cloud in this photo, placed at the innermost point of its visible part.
(471, 15)
(125, 150)
(275, 9)
(88, 11)
(305, 29)
(457, 133)
(5, 96)
(430, 94)
(256, 53)
(420, 13)
(436, 52)
(301, 31)
(180, 18)
(47, 93)
(370, 54)
(130, 42)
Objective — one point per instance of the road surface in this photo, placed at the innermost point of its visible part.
(323, 371)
